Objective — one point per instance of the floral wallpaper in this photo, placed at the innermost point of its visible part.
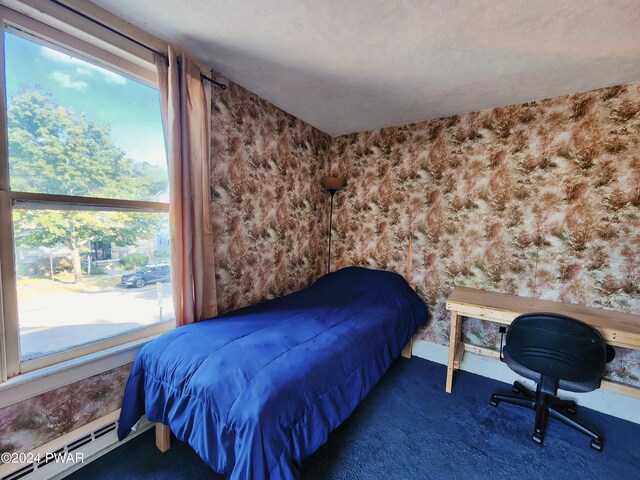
(40, 419)
(269, 209)
(540, 200)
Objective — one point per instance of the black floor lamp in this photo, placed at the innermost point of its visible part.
(333, 184)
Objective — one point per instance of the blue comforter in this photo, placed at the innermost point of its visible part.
(257, 390)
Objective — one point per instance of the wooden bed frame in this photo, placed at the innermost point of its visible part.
(163, 433)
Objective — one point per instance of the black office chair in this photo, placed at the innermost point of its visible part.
(555, 351)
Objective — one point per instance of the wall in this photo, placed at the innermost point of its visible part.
(269, 208)
(270, 225)
(40, 419)
(540, 200)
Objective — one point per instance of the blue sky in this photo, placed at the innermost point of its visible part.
(132, 108)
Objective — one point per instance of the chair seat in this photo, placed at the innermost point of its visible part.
(568, 385)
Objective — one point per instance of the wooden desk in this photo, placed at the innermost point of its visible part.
(617, 328)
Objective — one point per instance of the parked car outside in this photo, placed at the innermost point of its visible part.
(147, 274)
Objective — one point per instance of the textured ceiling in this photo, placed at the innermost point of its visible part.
(348, 66)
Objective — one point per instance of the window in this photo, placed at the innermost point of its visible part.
(83, 204)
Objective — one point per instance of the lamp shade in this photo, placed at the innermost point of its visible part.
(332, 183)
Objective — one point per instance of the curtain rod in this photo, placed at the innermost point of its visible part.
(131, 39)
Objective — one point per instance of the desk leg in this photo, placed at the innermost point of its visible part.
(454, 345)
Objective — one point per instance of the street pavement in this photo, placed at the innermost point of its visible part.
(60, 320)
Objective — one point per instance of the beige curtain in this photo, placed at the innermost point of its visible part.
(186, 112)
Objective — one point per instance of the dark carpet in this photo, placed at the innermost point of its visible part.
(409, 428)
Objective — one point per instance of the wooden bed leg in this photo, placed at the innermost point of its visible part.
(163, 437)
(406, 352)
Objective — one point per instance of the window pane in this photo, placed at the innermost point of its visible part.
(83, 276)
(85, 130)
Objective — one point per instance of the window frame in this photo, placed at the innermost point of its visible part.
(143, 71)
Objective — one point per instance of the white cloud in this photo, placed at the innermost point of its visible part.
(64, 80)
(83, 71)
(153, 156)
(82, 67)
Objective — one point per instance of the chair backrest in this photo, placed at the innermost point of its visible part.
(557, 346)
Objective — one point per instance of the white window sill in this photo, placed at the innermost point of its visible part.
(27, 385)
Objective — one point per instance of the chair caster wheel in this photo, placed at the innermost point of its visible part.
(597, 445)
(493, 402)
(537, 437)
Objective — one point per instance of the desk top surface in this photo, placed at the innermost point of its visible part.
(609, 319)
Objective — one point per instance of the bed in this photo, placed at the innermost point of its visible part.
(257, 390)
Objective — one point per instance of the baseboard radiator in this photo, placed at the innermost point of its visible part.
(59, 458)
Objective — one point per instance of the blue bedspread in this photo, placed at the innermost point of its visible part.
(257, 390)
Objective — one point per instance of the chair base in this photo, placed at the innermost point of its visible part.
(545, 406)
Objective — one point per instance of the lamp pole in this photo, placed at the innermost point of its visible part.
(332, 191)
(333, 184)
